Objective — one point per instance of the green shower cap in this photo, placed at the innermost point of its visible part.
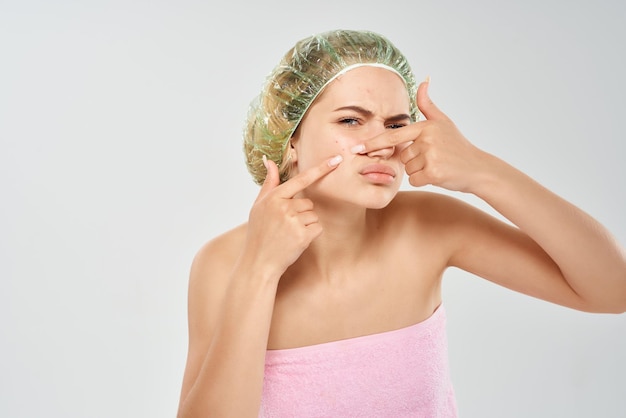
(303, 72)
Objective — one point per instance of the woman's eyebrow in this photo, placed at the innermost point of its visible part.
(357, 109)
(367, 113)
(398, 118)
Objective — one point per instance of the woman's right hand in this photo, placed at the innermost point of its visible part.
(280, 225)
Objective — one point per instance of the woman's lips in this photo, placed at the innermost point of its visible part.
(379, 173)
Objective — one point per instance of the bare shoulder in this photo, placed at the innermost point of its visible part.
(220, 252)
(431, 209)
(209, 275)
(443, 222)
(208, 282)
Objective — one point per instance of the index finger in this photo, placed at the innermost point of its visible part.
(303, 180)
(389, 138)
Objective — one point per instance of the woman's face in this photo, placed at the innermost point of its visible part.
(353, 108)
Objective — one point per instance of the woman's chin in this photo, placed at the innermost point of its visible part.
(380, 200)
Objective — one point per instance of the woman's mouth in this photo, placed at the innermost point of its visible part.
(379, 174)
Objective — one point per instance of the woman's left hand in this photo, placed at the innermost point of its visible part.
(437, 154)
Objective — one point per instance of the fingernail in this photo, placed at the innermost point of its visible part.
(264, 158)
(335, 160)
(357, 149)
(427, 80)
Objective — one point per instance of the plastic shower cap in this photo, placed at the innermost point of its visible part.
(302, 74)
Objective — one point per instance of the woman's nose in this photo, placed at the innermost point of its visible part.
(383, 153)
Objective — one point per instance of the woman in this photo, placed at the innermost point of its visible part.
(327, 302)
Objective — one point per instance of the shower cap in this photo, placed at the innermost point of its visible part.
(301, 75)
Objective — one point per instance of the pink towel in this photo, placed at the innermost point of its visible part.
(401, 373)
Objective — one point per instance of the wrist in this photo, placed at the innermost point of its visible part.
(254, 268)
(490, 175)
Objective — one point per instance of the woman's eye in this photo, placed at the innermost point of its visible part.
(395, 126)
(349, 121)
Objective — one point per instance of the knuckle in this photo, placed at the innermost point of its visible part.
(408, 154)
(413, 181)
(433, 173)
(395, 136)
(306, 204)
(314, 231)
(411, 167)
(428, 137)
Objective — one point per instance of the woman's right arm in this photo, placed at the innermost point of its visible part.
(227, 335)
(232, 289)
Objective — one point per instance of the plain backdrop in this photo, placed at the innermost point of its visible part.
(120, 134)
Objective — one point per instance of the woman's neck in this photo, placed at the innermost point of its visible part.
(347, 235)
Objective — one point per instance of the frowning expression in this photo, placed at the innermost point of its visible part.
(355, 107)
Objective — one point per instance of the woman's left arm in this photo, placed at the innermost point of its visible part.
(585, 254)
(557, 252)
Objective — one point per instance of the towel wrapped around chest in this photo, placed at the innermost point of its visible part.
(399, 373)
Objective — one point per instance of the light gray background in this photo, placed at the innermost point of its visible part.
(120, 155)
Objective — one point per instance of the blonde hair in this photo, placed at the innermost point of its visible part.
(302, 74)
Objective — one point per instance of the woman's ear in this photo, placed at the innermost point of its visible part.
(293, 154)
